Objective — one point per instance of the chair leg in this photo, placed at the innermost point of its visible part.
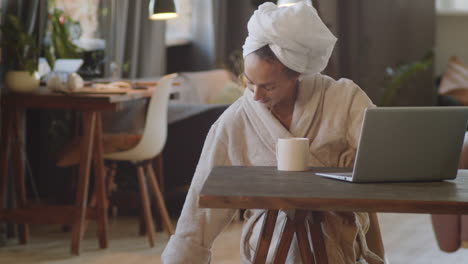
(111, 171)
(145, 202)
(141, 223)
(159, 199)
(158, 168)
(158, 163)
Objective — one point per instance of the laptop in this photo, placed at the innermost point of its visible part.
(402, 144)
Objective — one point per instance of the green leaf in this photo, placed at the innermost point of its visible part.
(402, 74)
(63, 47)
(21, 47)
(50, 57)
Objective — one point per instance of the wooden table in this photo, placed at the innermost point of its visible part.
(267, 188)
(90, 106)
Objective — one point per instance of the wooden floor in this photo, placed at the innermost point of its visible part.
(408, 238)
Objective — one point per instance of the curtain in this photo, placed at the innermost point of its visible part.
(33, 15)
(135, 45)
(203, 35)
(217, 32)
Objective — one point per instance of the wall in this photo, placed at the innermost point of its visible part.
(451, 39)
(377, 34)
(236, 31)
(207, 50)
(372, 35)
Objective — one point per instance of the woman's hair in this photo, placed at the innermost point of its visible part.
(265, 53)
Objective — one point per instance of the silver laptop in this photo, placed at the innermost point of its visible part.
(408, 144)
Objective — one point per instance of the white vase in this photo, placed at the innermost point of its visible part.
(22, 81)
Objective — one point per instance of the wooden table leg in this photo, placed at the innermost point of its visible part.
(287, 235)
(5, 144)
(18, 149)
(89, 119)
(100, 186)
(318, 244)
(265, 236)
(303, 237)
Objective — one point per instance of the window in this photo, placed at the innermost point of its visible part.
(452, 7)
(178, 30)
(85, 14)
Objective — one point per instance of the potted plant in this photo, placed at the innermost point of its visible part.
(400, 75)
(21, 52)
(60, 45)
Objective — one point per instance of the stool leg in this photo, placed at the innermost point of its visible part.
(159, 200)
(23, 229)
(146, 205)
(83, 181)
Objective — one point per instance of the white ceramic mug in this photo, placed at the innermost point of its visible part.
(292, 154)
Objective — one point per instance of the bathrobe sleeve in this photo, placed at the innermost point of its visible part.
(198, 227)
(360, 101)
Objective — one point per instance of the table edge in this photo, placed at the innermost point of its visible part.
(333, 204)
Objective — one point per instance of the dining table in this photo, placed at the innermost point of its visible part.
(89, 105)
(309, 195)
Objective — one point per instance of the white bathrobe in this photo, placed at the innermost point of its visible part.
(326, 111)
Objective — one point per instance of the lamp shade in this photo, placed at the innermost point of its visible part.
(292, 2)
(162, 9)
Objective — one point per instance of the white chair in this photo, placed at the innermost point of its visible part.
(151, 145)
(200, 87)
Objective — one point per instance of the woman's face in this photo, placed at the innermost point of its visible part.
(269, 81)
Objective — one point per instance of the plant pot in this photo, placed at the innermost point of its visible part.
(22, 81)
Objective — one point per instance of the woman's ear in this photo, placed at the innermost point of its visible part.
(296, 77)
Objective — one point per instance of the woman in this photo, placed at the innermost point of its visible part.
(286, 97)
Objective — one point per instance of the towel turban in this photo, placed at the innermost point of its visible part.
(295, 34)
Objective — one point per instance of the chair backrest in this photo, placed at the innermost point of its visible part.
(455, 76)
(155, 131)
(202, 86)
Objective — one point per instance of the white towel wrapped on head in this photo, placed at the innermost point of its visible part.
(295, 34)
